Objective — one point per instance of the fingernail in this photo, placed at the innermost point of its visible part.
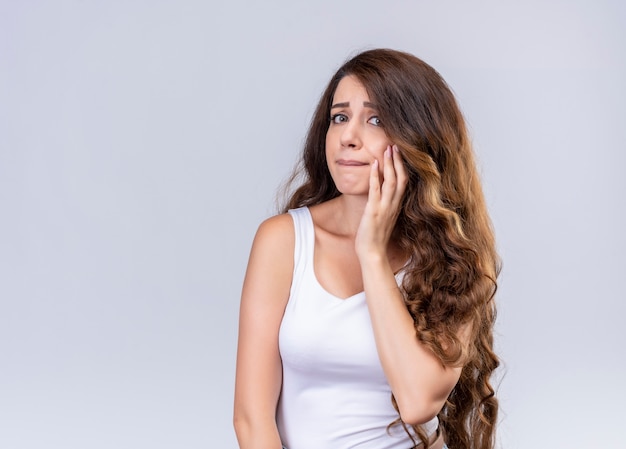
(388, 152)
(395, 148)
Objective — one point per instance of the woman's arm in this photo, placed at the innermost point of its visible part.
(418, 380)
(259, 370)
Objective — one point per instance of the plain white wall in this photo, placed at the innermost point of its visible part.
(141, 143)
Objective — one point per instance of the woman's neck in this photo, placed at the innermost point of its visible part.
(347, 211)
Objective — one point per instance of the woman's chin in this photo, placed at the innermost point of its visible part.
(352, 190)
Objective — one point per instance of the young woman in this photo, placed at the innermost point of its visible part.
(367, 309)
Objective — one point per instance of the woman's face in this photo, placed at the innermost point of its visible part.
(355, 137)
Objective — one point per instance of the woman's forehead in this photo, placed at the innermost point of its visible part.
(350, 87)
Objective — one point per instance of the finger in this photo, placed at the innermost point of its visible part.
(374, 188)
(389, 180)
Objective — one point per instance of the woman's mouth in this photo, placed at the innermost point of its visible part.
(351, 163)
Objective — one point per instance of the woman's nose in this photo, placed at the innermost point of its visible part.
(351, 135)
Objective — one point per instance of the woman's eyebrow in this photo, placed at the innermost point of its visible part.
(346, 104)
(341, 105)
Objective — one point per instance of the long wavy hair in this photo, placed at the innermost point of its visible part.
(450, 281)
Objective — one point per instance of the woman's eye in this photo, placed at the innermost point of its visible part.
(374, 121)
(338, 118)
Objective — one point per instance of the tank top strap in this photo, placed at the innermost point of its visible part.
(304, 241)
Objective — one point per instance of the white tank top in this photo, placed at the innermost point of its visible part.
(335, 394)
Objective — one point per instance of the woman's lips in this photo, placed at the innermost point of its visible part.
(351, 163)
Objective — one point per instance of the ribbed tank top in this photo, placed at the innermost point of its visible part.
(334, 394)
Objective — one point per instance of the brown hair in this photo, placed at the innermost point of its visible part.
(443, 224)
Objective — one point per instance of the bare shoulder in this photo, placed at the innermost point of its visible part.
(270, 268)
(278, 223)
(277, 234)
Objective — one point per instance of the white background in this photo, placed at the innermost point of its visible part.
(142, 142)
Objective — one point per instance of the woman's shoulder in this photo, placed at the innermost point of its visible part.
(276, 230)
(272, 251)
